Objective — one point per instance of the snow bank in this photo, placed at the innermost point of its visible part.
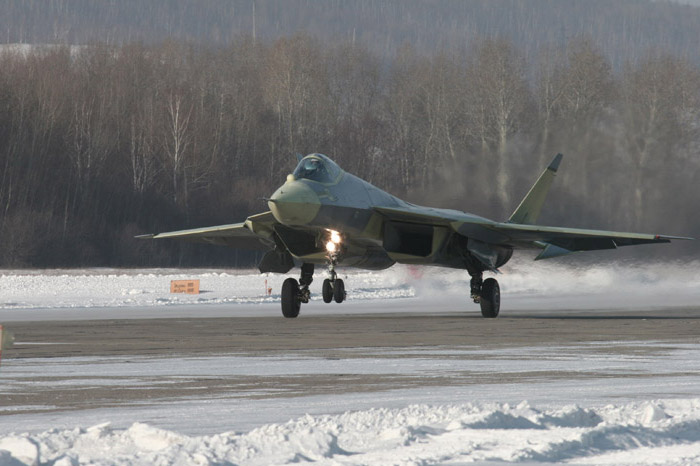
(524, 285)
(137, 288)
(659, 432)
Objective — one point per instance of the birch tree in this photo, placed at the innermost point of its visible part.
(177, 139)
(498, 100)
(661, 110)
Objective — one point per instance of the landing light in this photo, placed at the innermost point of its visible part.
(335, 240)
(335, 237)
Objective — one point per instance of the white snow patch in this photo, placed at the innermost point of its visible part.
(524, 285)
(20, 448)
(416, 434)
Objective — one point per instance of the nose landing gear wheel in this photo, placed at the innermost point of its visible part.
(338, 291)
(327, 291)
(490, 298)
(291, 302)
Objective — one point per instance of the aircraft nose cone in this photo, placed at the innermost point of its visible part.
(294, 203)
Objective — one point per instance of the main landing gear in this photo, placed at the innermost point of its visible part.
(294, 293)
(487, 294)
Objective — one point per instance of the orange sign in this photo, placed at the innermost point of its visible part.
(184, 286)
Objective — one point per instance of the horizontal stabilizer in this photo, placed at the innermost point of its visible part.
(552, 251)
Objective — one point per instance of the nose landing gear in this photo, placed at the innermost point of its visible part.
(333, 287)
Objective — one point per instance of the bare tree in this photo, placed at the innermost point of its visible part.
(498, 99)
(141, 151)
(177, 138)
(552, 82)
(587, 83)
(355, 93)
(661, 110)
(87, 142)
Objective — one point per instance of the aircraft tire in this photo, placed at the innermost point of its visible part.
(290, 298)
(339, 291)
(327, 291)
(490, 298)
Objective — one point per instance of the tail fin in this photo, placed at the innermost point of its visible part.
(530, 207)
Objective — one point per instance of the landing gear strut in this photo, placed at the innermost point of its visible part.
(334, 287)
(487, 294)
(294, 293)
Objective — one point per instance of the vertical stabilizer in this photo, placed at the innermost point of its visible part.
(530, 207)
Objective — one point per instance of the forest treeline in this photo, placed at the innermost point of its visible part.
(623, 29)
(101, 143)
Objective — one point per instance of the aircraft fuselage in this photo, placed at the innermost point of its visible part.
(308, 209)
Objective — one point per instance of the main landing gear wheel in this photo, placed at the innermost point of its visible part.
(490, 298)
(291, 302)
(338, 291)
(327, 291)
(296, 292)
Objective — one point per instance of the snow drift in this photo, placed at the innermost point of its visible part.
(659, 432)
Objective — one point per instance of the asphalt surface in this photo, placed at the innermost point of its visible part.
(324, 332)
(193, 335)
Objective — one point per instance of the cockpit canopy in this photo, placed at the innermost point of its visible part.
(317, 167)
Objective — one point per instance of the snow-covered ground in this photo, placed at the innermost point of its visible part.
(608, 409)
(660, 432)
(595, 403)
(524, 285)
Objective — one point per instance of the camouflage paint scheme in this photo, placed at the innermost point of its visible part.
(379, 230)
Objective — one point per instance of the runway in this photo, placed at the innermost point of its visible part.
(376, 332)
(196, 330)
(192, 329)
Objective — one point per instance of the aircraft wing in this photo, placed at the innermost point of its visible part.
(558, 241)
(555, 241)
(246, 235)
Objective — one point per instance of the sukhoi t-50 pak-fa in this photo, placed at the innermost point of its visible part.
(326, 216)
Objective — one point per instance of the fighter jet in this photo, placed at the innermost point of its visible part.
(323, 215)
